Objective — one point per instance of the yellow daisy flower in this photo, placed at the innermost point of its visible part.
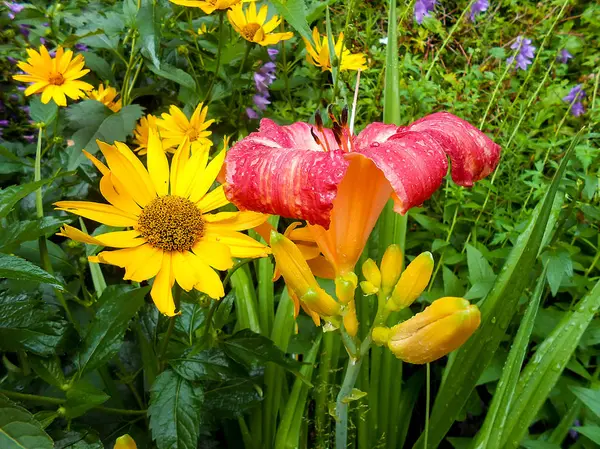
(55, 76)
(252, 27)
(175, 127)
(107, 97)
(208, 6)
(141, 133)
(319, 54)
(172, 235)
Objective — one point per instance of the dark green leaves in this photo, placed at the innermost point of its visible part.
(294, 12)
(211, 364)
(29, 324)
(19, 429)
(248, 348)
(148, 26)
(104, 336)
(82, 397)
(175, 410)
(13, 194)
(42, 113)
(591, 398)
(174, 74)
(13, 267)
(22, 231)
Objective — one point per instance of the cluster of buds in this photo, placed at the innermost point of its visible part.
(441, 328)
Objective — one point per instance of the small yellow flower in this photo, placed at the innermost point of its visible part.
(175, 127)
(54, 77)
(440, 329)
(107, 97)
(141, 133)
(319, 54)
(412, 282)
(254, 27)
(173, 234)
(391, 267)
(208, 6)
(125, 442)
(204, 29)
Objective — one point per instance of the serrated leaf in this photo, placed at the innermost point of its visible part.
(42, 113)
(28, 324)
(211, 364)
(249, 348)
(19, 429)
(85, 438)
(591, 398)
(104, 335)
(175, 412)
(497, 310)
(81, 397)
(13, 194)
(22, 231)
(294, 12)
(13, 267)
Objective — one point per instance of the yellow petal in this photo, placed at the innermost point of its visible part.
(140, 263)
(391, 267)
(239, 244)
(180, 160)
(217, 255)
(121, 200)
(125, 442)
(103, 213)
(158, 166)
(371, 273)
(99, 165)
(118, 239)
(234, 221)
(412, 282)
(213, 200)
(208, 178)
(161, 292)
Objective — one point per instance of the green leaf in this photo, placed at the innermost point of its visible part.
(28, 324)
(85, 438)
(174, 74)
(13, 194)
(112, 128)
(104, 336)
(545, 368)
(22, 231)
(19, 429)
(175, 412)
(559, 266)
(391, 93)
(99, 66)
(49, 369)
(591, 398)
(497, 310)
(249, 348)
(489, 437)
(479, 268)
(294, 13)
(13, 267)
(591, 432)
(42, 113)
(148, 27)
(81, 397)
(211, 364)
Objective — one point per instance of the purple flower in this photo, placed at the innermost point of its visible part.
(273, 52)
(14, 8)
(25, 109)
(261, 102)
(564, 56)
(29, 138)
(24, 30)
(575, 98)
(81, 47)
(11, 60)
(572, 432)
(423, 9)
(3, 123)
(525, 51)
(478, 7)
(21, 88)
(252, 114)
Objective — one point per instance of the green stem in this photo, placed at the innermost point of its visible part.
(165, 342)
(322, 391)
(341, 405)
(454, 28)
(428, 400)
(60, 401)
(218, 64)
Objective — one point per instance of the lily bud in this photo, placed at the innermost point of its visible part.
(412, 282)
(371, 273)
(125, 442)
(345, 286)
(299, 278)
(391, 267)
(350, 320)
(368, 288)
(440, 329)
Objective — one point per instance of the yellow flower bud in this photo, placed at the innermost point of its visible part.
(391, 267)
(299, 278)
(381, 335)
(350, 320)
(345, 286)
(368, 288)
(125, 442)
(371, 273)
(440, 329)
(412, 282)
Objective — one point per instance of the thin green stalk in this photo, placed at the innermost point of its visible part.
(349, 9)
(126, 80)
(218, 63)
(341, 405)
(427, 403)
(165, 342)
(286, 78)
(560, 432)
(450, 34)
(322, 391)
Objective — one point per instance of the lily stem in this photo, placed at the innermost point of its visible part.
(218, 63)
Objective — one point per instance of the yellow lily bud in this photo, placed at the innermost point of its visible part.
(125, 442)
(391, 267)
(299, 278)
(350, 320)
(440, 329)
(345, 286)
(368, 288)
(371, 272)
(381, 335)
(412, 282)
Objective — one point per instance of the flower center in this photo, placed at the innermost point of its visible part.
(56, 79)
(171, 223)
(250, 30)
(192, 134)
